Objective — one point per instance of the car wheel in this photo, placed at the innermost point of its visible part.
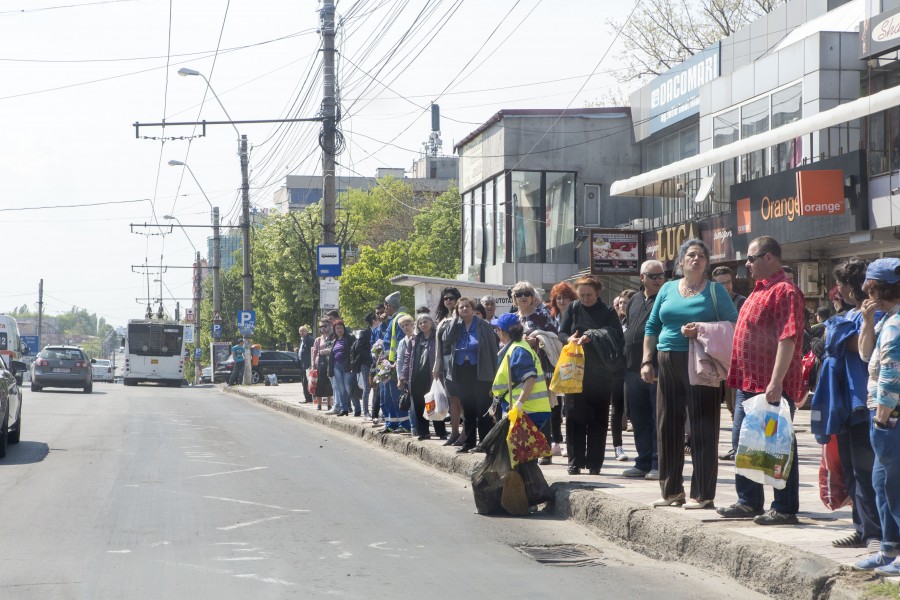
(3, 429)
(35, 387)
(129, 382)
(255, 377)
(16, 432)
(89, 388)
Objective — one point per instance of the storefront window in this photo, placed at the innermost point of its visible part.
(528, 222)
(725, 128)
(690, 144)
(500, 240)
(560, 217)
(754, 119)
(478, 228)
(787, 107)
(490, 220)
(467, 230)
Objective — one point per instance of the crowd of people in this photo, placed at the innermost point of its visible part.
(640, 369)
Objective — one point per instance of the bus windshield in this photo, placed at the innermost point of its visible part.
(155, 339)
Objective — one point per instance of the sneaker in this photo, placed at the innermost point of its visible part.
(728, 455)
(738, 511)
(556, 450)
(653, 475)
(620, 454)
(634, 472)
(773, 517)
(402, 430)
(876, 561)
(854, 540)
(891, 570)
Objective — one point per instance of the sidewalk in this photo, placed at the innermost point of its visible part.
(805, 565)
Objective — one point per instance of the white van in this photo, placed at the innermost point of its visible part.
(11, 345)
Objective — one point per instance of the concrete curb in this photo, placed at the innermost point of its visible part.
(776, 570)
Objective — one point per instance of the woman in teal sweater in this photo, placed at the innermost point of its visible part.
(679, 306)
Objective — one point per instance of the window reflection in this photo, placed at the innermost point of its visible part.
(528, 220)
(560, 217)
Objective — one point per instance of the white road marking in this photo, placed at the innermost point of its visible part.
(130, 485)
(231, 544)
(156, 544)
(118, 551)
(244, 502)
(215, 462)
(264, 579)
(247, 549)
(344, 555)
(248, 523)
(224, 559)
(228, 472)
(252, 576)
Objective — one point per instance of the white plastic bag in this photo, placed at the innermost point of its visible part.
(766, 445)
(437, 406)
(271, 379)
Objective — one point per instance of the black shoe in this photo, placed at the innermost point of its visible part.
(463, 449)
(424, 437)
(738, 511)
(545, 460)
(479, 449)
(574, 471)
(442, 437)
(343, 413)
(356, 414)
(728, 455)
(595, 471)
(775, 518)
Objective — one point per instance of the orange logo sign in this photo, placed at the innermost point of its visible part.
(821, 192)
(743, 216)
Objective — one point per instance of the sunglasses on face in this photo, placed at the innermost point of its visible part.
(752, 258)
(655, 276)
(449, 299)
(525, 294)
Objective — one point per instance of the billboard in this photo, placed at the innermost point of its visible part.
(880, 34)
(615, 252)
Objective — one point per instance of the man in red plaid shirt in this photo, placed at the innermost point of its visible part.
(768, 340)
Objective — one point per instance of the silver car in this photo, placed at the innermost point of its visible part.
(61, 366)
(102, 370)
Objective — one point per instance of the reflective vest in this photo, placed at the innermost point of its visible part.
(539, 399)
(392, 354)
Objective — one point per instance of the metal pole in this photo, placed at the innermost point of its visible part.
(245, 255)
(40, 312)
(198, 293)
(326, 16)
(217, 261)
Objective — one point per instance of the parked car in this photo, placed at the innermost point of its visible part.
(10, 403)
(285, 365)
(102, 370)
(61, 366)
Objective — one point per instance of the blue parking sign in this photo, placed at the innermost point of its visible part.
(217, 331)
(198, 352)
(246, 321)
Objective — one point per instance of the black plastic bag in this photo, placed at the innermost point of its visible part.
(535, 485)
(488, 476)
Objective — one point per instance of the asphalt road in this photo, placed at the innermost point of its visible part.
(149, 492)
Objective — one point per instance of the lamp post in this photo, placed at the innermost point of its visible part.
(245, 206)
(217, 244)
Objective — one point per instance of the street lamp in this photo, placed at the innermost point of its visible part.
(245, 209)
(173, 218)
(217, 248)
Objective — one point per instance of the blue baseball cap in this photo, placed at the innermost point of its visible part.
(884, 269)
(505, 321)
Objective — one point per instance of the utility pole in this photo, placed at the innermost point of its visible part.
(40, 312)
(248, 278)
(198, 294)
(217, 257)
(326, 18)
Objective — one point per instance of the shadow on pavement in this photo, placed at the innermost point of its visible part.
(25, 453)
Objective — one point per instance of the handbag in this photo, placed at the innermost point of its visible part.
(405, 401)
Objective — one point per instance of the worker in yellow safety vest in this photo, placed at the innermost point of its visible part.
(520, 379)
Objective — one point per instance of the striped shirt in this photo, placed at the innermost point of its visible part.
(884, 366)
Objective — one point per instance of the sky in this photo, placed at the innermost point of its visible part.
(77, 186)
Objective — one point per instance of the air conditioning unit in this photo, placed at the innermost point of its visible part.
(807, 278)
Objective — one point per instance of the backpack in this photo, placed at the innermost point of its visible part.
(356, 356)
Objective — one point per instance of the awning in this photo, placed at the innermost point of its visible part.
(660, 181)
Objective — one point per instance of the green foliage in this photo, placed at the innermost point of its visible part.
(881, 591)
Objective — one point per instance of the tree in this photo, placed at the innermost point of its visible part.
(384, 213)
(664, 33)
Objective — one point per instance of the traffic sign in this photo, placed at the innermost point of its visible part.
(246, 321)
(31, 341)
(217, 317)
(188, 334)
(328, 260)
(217, 331)
(198, 352)
(188, 315)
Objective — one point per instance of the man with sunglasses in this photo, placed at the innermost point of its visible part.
(765, 359)
(641, 396)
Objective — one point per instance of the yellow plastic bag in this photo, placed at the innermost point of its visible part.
(569, 372)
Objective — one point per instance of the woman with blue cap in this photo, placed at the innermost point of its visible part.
(881, 344)
(520, 378)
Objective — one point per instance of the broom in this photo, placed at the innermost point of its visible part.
(514, 499)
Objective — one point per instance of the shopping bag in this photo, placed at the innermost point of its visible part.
(765, 447)
(832, 488)
(569, 372)
(437, 406)
(312, 378)
(489, 474)
(271, 379)
(526, 442)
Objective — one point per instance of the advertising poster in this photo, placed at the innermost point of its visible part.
(615, 252)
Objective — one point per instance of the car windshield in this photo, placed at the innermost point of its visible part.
(102, 363)
(62, 354)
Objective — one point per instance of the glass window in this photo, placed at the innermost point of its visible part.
(467, 231)
(155, 339)
(478, 227)
(754, 119)
(690, 144)
(560, 217)
(528, 223)
(500, 240)
(787, 107)
(490, 220)
(725, 128)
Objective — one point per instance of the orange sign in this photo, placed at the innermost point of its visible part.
(820, 192)
(743, 216)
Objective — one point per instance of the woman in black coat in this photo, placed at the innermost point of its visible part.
(596, 327)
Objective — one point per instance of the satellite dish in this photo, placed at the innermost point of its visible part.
(706, 185)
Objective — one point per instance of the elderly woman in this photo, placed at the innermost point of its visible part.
(339, 368)
(408, 325)
(619, 418)
(472, 366)
(420, 355)
(445, 317)
(592, 324)
(679, 306)
(321, 350)
(839, 408)
(882, 342)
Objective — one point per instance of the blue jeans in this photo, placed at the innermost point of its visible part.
(858, 460)
(641, 397)
(341, 383)
(886, 481)
(365, 389)
(750, 493)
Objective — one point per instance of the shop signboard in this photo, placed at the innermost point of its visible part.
(880, 34)
(615, 252)
(718, 233)
(802, 204)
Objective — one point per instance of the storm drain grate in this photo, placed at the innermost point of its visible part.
(569, 555)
